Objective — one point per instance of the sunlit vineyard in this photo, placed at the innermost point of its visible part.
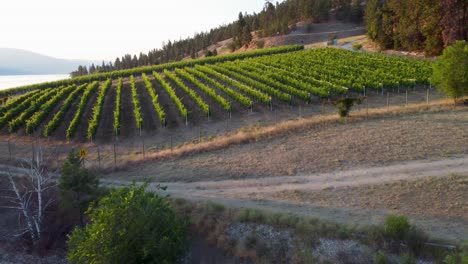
(190, 92)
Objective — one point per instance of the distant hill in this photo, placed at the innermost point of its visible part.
(18, 62)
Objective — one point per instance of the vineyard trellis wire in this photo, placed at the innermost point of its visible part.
(110, 155)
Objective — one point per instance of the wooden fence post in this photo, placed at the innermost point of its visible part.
(406, 101)
(427, 97)
(276, 116)
(143, 145)
(115, 157)
(9, 149)
(388, 101)
(367, 108)
(32, 152)
(199, 134)
(99, 157)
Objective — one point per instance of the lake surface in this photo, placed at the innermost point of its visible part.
(10, 81)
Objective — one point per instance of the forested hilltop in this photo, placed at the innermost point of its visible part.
(423, 25)
(428, 25)
(274, 19)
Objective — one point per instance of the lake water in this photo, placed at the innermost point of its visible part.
(10, 81)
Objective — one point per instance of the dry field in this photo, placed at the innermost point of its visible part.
(444, 197)
(326, 147)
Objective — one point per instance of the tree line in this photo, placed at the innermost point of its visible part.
(428, 25)
(274, 19)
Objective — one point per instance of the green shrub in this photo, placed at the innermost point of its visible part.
(243, 215)
(458, 257)
(381, 258)
(78, 187)
(286, 220)
(129, 225)
(272, 218)
(357, 46)
(344, 232)
(449, 74)
(396, 227)
(344, 105)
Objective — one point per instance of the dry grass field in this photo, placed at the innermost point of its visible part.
(321, 147)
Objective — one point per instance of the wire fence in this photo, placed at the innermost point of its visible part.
(111, 155)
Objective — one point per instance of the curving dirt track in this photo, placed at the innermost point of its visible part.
(271, 194)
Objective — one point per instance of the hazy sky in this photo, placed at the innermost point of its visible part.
(105, 29)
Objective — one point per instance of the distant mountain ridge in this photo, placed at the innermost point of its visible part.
(20, 62)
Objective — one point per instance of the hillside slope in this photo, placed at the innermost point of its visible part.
(17, 61)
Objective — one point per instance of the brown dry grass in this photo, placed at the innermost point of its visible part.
(255, 133)
(445, 197)
(357, 39)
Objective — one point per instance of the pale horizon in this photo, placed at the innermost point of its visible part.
(104, 30)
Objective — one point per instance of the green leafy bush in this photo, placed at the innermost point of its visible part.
(78, 187)
(344, 105)
(381, 258)
(396, 227)
(357, 46)
(130, 225)
(450, 70)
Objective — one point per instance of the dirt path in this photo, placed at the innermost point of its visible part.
(261, 193)
(257, 193)
(377, 175)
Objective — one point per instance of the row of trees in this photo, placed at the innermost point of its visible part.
(274, 19)
(428, 25)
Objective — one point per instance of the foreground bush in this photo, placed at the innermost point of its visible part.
(129, 226)
(450, 70)
(396, 227)
(344, 105)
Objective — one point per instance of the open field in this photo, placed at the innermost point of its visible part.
(325, 147)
